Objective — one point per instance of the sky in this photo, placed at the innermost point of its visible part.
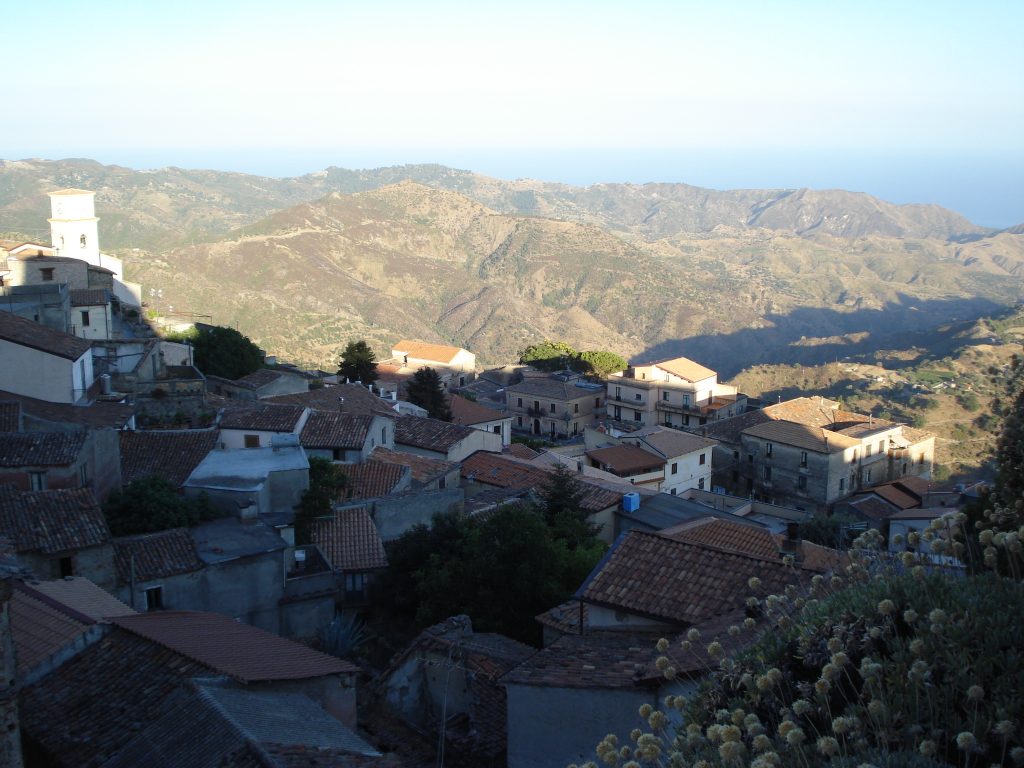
(909, 101)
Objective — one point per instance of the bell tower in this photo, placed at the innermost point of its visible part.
(74, 230)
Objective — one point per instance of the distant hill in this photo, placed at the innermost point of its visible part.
(153, 209)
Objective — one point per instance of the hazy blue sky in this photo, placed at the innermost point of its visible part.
(911, 101)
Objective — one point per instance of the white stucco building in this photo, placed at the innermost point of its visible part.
(43, 363)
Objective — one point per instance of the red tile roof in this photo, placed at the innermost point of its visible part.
(89, 297)
(26, 333)
(78, 595)
(350, 540)
(422, 350)
(606, 660)
(41, 449)
(39, 629)
(521, 451)
(465, 411)
(677, 581)
(372, 479)
(245, 653)
(897, 496)
(156, 555)
(726, 534)
(10, 416)
(430, 434)
(262, 417)
(425, 469)
(341, 398)
(98, 414)
(171, 455)
(326, 429)
(52, 521)
(685, 368)
(626, 459)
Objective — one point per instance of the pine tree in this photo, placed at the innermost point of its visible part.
(561, 499)
(358, 363)
(426, 390)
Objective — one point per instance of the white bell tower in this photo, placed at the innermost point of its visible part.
(74, 230)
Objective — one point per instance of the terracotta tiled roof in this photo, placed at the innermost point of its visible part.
(677, 581)
(685, 368)
(262, 417)
(818, 557)
(41, 449)
(80, 596)
(39, 629)
(355, 399)
(802, 436)
(71, 191)
(873, 506)
(552, 389)
(812, 411)
(421, 350)
(26, 333)
(566, 617)
(84, 711)
(258, 378)
(503, 471)
(429, 434)
(372, 479)
(625, 459)
(726, 534)
(52, 521)
(171, 455)
(916, 486)
(245, 653)
(10, 416)
(607, 660)
(897, 496)
(521, 451)
(89, 297)
(98, 414)
(156, 555)
(425, 469)
(467, 412)
(670, 443)
(326, 429)
(350, 541)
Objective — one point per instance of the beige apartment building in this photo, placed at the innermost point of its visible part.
(557, 405)
(675, 393)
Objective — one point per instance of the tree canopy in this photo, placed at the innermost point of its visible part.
(426, 390)
(501, 569)
(327, 481)
(358, 363)
(225, 352)
(557, 355)
(153, 504)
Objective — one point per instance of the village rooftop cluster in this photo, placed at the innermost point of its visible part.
(191, 646)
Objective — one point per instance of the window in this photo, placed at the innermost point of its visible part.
(803, 458)
(686, 399)
(66, 566)
(575, 428)
(154, 598)
(552, 408)
(536, 405)
(921, 460)
(700, 484)
(801, 483)
(750, 458)
(735, 455)
(384, 436)
(856, 455)
(867, 475)
(83, 476)
(442, 483)
(636, 416)
(46, 274)
(355, 583)
(664, 396)
(597, 402)
(519, 421)
(767, 474)
(81, 242)
(37, 481)
(867, 451)
(686, 421)
(519, 402)
(842, 484)
(85, 318)
(496, 429)
(618, 393)
(575, 407)
(675, 468)
(881, 446)
(637, 396)
(703, 459)
(673, 492)
(767, 449)
(252, 441)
